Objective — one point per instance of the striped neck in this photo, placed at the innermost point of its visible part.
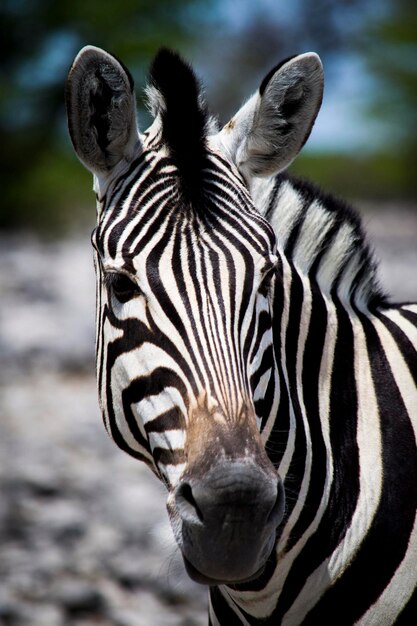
(322, 238)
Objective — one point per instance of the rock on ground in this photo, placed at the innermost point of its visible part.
(84, 535)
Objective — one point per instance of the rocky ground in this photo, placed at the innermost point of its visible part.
(84, 536)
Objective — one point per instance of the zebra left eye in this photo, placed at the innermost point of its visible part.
(122, 286)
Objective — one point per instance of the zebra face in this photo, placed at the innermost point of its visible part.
(185, 356)
(185, 327)
(185, 273)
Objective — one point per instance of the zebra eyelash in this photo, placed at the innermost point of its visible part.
(121, 286)
(266, 284)
(270, 270)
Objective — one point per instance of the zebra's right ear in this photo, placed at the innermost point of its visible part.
(101, 111)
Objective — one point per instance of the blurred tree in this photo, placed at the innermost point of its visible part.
(390, 49)
(232, 42)
(268, 33)
(379, 40)
(38, 40)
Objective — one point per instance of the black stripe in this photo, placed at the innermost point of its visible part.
(295, 232)
(235, 243)
(264, 365)
(198, 326)
(135, 333)
(267, 403)
(222, 610)
(120, 185)
(312, 358)
(113, 351)
(409, 315)
(207, 325)
(272, 202)
(345, 487)
(155, 224)
(278, 437)
(236, 215)
(168, 457)
(119, 228)
(295, 474)
(407, 349)
(259, 326)
(386, 542)
(172, 419)
(159, 292)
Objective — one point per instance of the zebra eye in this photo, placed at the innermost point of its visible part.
(122, 286)
(265, 285)
(269, 273)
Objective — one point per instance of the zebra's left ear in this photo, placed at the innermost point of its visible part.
(269, 130)
(101, 111)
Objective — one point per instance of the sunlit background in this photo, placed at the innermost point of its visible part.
(364, 142)
(83, 528)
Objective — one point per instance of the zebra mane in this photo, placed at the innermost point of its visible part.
(174, 94)
(324, 238)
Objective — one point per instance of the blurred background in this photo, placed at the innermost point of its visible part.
(83, 528)
(364, 144)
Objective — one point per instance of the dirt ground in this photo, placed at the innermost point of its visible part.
(84, 535)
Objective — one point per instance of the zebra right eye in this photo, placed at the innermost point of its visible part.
(122, 286)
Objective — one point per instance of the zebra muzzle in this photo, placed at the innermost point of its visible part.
(228, 521)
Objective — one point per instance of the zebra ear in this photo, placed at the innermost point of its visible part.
(101, 111)
(268, 132)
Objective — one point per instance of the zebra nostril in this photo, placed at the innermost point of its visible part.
(187, 507)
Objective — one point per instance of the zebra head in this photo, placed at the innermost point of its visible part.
(185, 277)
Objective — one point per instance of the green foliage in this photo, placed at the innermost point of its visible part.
(38, 41)
(381, 176)
(43, 185)
(390, 50)
(52, 196)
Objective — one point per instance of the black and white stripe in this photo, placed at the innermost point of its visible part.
(232, 298)
(197, 277)
(344, 437)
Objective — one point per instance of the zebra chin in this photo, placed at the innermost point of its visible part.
(202, 579)
(225, 521)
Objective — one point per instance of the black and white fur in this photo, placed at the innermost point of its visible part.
(225, 343)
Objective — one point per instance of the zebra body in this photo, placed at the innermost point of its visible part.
(347, 553)
(245, 351)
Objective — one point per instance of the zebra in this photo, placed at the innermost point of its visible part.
(245, 350)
